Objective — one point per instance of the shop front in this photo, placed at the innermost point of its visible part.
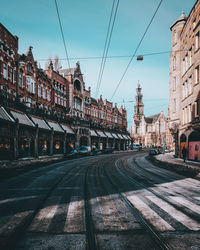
(194, 146)
(94, 139)
(183, 143)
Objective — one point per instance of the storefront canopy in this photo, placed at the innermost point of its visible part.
(101, 134)
(40, 122)
(4, 115)
(108, 134)
(23, 118)
(67, 129)
(93, 133)
(115, 136)
(56, 127)
(120, 136)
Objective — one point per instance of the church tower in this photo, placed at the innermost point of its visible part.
(139, 106)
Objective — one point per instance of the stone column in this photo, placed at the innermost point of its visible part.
(16, 139)
(51, 142)
(36, 141)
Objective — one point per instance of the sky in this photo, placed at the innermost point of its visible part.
(85, 25)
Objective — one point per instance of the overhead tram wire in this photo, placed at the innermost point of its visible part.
(110, 57)
(105, 45)
(61, 29)
(136, 49)
(108, 44)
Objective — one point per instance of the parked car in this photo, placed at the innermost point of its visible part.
(73, 153)
(96, 151)
(107, 150)
(84, 150)
(152, 152)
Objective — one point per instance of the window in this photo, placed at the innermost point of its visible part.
(39, 90)
(197, 41)
(20, 80)
(174, 62)
(48, 95)
(197, 108)
(5, 75)
(174, 84)
(186, 116)
(183, 116)
(28, 82)
(186, 62)
(186, 89)
(190, 57)
(11, 75)
(194, 23)
(175, 36)
(43, 94)
(183, 66)
(196, 75)
(190, 85)
(32, 86)
(189, 113)
(183, 91)
(174, 103)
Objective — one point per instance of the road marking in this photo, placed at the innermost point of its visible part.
(197, 198)
(75, 216)
(149, 214)
(43, 219)
(179, 216)
(110, 214)
(18, 199)
(187, 204)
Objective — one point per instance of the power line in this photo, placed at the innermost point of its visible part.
(114, 56)
(105, 45)
(136, 49)
(61, 29)
(104, 62)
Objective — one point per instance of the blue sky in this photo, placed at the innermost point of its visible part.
(85, 24)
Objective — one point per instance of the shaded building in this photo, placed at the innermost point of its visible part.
(184, 86)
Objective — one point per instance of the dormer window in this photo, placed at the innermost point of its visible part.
(29, 69)
(77, 85)
(194, 23)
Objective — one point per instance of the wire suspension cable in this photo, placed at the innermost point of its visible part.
(61, 29)
(136, 49)
(104, 50)
(108, 45)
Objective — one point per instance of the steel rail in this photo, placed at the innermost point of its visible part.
(159, 240)
(154, 192)
(19, 232)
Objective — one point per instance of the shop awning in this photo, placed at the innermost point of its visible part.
(120, 136)
(56, 127)
(108, 134)
(67, 128)
(115, 136)
(4, 115)
(93, 133)
(23, 118)
(101, 134)
(126, 136)
(40, 122)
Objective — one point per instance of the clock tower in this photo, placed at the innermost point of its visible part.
(139, 106)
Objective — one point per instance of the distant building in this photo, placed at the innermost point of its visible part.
(148, 131)
(184, 105)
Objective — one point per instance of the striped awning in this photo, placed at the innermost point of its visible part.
(56, 127)
(115, 136)
(101, 134)
(93, 133)
(40, 122)
(108, 134)
(120, 136)
(67, 128)
(4, 115)
(23, 118)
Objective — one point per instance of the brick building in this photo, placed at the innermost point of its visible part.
(50, 111)
(184, 105)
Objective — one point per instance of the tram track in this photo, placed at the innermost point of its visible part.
(148, 228)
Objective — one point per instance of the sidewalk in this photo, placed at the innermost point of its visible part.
(189, 168)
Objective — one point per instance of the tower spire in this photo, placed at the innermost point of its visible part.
(139, 106)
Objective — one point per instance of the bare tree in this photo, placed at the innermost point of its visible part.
(47, 63)
(57, 64)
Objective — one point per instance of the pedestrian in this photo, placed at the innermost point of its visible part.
(184, 152)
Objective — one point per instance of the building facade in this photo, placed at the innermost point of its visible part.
(50, 111)
(148, 131)
(184, 86)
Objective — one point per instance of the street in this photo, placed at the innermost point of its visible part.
(113, 201)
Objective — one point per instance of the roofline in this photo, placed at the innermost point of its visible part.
(14, 36)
